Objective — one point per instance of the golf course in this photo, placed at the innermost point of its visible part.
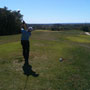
(46, 49)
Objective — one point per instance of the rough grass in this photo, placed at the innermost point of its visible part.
(73, 73)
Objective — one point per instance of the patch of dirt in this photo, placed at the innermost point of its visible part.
(87, 33)
(17, 65)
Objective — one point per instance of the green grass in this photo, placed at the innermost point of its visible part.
(73, 73)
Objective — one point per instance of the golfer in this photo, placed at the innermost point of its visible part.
(26, 33)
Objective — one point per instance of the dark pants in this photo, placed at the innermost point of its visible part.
(25, 46)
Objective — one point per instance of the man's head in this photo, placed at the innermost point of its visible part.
(30, 29)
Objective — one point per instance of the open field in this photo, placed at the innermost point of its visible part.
(73, 73)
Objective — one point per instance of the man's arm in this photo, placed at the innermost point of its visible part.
(24, 26)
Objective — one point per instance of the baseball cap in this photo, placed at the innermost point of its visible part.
(30, 28)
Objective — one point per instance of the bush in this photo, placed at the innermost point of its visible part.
(86, 29)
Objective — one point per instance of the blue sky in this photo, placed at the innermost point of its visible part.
(51, 11)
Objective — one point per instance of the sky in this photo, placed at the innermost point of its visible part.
(51, 11)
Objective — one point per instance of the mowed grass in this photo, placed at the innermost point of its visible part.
(73, 73)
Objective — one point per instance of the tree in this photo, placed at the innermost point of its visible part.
(85, 28)
(10, 21)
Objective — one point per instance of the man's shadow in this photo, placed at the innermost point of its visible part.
(28, 70)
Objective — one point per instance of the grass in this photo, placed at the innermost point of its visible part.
(73, 73)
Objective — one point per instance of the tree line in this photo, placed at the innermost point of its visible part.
(10, 21)
(60, 27)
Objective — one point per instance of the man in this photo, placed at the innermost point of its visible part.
(26, 33)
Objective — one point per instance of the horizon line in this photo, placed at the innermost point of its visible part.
(63, 23)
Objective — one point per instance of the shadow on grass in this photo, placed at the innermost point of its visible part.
(28, 71)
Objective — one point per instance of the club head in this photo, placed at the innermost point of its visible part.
(18, 10)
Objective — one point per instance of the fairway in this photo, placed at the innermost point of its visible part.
(73, 73)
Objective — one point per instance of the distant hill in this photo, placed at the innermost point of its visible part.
(59, 26)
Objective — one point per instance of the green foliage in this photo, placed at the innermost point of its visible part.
(85, 28)
(10, 21)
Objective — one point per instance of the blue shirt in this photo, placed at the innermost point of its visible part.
(25, 34)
